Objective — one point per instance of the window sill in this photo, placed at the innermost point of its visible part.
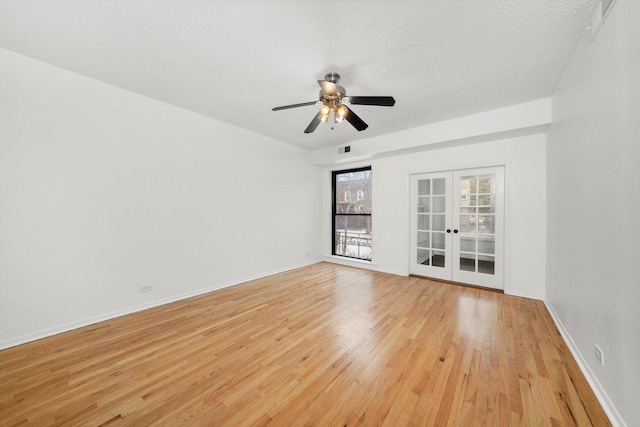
(349, 261)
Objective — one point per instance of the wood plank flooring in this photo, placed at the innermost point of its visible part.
(324, 345)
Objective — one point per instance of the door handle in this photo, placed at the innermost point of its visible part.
(448, 230)
(455, 231)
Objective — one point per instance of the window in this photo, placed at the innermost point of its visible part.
(352, 215)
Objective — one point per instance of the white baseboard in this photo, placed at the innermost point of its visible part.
(524, 294)
(12, 342)
(598, 390)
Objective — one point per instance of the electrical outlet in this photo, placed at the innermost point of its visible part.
(599, 355)
(145, 288)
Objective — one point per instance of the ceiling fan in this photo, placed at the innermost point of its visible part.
(335, 102)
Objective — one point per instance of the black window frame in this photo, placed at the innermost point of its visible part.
(334, 213)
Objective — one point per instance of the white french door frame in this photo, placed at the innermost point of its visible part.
(452, 270)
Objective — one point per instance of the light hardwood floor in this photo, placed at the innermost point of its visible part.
(323, 345)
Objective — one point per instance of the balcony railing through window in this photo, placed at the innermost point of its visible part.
(353, 245)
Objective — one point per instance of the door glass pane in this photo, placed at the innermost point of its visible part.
(487, 244)
(438, 222)
(439, 204)
(467, 262)
(438, 240)
(486, 200)
(486, 224)
(423, 221)
(423, 204)
(439, 186)
(486, 264)
(487, 184)
(423, 256)
(468, 183)
(423, 239)
(468, 244)
(437, 258)
(424, 187)
(467, 223)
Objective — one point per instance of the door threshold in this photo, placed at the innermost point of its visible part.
(450, 282)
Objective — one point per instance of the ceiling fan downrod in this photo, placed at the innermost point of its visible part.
(332, 77)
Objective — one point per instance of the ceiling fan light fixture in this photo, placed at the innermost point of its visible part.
(341, 112)
(325, 112)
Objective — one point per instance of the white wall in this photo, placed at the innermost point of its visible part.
(103, 190)
(524, 158)
(528, 118)
(593, 164)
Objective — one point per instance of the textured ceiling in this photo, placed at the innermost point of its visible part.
(235, 60)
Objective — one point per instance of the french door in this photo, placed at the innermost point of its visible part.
(457, 226)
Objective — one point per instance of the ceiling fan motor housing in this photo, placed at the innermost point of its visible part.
(331, 93)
